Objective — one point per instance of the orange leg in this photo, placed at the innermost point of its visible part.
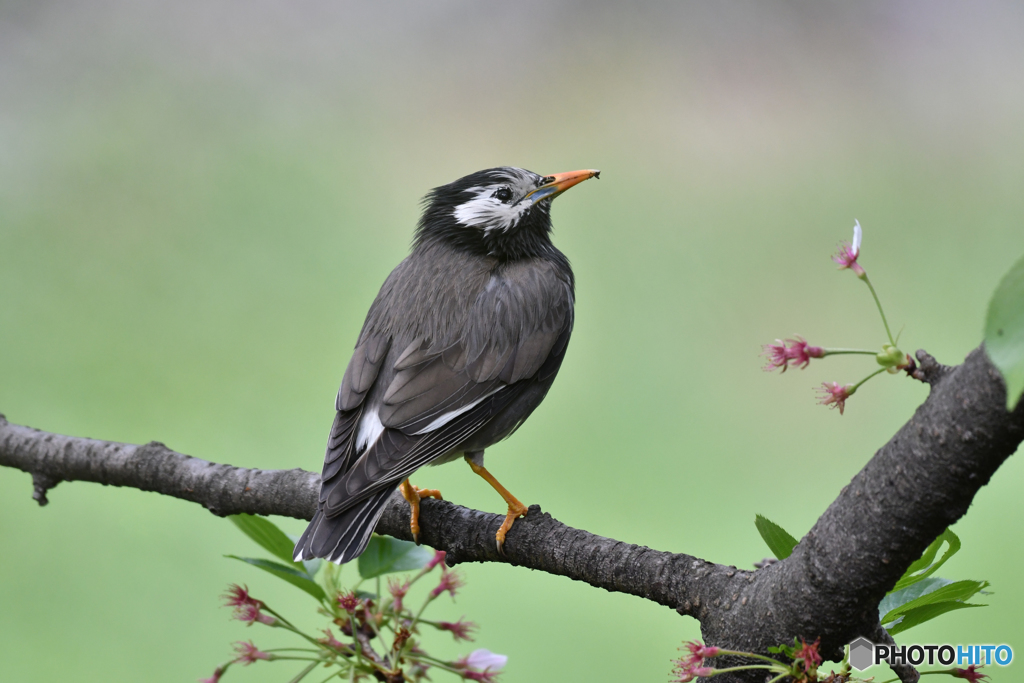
(515, 508)
(414, 494)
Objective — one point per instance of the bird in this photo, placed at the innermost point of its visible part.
(459, 347)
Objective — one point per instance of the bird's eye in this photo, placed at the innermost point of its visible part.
(503, 195)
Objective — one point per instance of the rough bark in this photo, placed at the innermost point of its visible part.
(538, 541)
(920, 482)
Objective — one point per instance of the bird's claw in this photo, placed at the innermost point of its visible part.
(413, 495)
(515, 511)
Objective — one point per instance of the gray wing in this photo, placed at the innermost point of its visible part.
(359, 377)
(430, 397)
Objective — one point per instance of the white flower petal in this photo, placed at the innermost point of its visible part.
(857, 233)
(485, 660)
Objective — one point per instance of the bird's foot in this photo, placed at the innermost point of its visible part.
(515, 511)
(413, 494)
(515, 508)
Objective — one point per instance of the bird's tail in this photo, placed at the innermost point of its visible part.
(344, 537)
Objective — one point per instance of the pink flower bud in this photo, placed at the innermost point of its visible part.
(437, 559)
(971, 673)
(794, 352)
(251, 614)
(217, 673)
(808, 653)
(451, 581)
(398, 591)
(834, 396)
(848, 252)
(348, 602)
(236, 596)
(460, 629)
(249, 653)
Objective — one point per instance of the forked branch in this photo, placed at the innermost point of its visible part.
(917, 484)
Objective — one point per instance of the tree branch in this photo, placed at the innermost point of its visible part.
(919, 483)
(537, 541)
(916, 485)
(222, 489)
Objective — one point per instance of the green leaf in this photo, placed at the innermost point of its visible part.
(293, 576)
(918, 616)
(780, 650)
(899, 598)
(264, 532)
(779, 541)
(925, 566)
(1004, 332)
(386, 555)
(926, 558)
(958, 591)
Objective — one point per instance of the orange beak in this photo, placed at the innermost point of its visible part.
(558, 183)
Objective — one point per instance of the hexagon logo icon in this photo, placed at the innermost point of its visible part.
(862, 654)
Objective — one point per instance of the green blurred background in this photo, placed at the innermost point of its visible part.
(199, 200)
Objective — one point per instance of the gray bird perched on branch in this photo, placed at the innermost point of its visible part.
(461, 344)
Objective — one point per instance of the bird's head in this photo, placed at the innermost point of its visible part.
(503, 212)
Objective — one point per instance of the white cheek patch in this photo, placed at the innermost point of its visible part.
(487, 212)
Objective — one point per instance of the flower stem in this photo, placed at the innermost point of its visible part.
(857, 385)
(750, 655)
(298, 659)
(287, 626)
(337, 674)
(748, 668)
(880, 311)
(412, 627)
(837, 352)
(439, 663)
